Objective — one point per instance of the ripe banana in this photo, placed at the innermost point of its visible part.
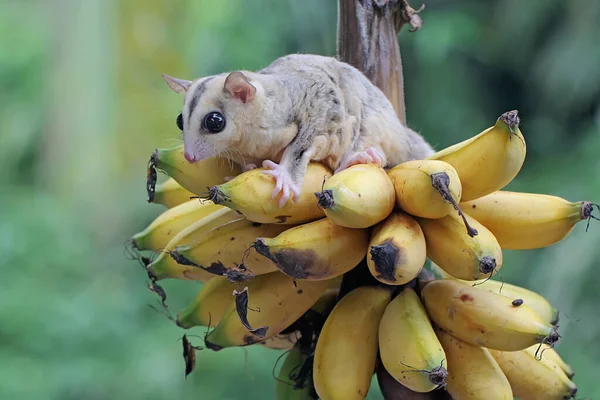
(457, 253)
(164, 228)
(397, 249)
(483, 318)
(250, 194)
(527, 220)
(426, 188)
(473, 374)
(547, 352)
(533, 379)
(196, 177)
(207, 309)
(408, 346)
(226, 246)
(533, 300)
(357, 197)
(293, 382)
(347, 345)
(274, 301)
(489, 161)
(165, 267)
(316, 250)
(170, 193)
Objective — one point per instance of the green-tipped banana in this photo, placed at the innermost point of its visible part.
(165, 267)
(196, 177)
(167, 225)
(211, 302)
(170, 193)
(294, 381)
(275, 301)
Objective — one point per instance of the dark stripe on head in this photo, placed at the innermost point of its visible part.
(220, 105)
(200, 89)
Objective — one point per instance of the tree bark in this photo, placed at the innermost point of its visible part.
(368, 40)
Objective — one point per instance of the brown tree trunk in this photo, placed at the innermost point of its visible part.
(367, 40)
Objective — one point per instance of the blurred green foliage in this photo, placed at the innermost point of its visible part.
(82, 105)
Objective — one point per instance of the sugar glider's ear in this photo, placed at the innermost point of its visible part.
(177, 85)
(238, 86)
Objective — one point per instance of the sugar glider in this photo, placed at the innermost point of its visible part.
(301, 108)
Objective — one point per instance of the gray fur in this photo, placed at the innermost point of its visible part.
(306, 108)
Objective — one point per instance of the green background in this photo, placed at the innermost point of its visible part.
(82, 106)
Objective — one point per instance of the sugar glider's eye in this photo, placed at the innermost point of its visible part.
(180, 122)
(214, 122)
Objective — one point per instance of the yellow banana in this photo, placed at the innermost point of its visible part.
(226, 246)
(408, 346)
(164, 228)
(397, 249)
(533, 379)
(250, 194)
(547, 352)
(358, 197)
(473, 374)
(293, 383)
(347, 345)
(426, 188)
(207, 309)
(533, 300)
(196, 177)
(170, 193)
(165, 267)
(316, 250)
(527, 220)
(489, 161)
(483, 318)
(274, 302)
(457, 253)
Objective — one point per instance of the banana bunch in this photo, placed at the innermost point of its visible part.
(338, 276)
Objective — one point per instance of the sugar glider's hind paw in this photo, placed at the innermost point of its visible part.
(371, 155)
(283, 182)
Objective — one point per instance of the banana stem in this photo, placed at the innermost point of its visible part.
(368, 40)
(441, 181)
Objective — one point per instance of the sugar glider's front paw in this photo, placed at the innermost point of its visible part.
(371, 155)
(283, 182)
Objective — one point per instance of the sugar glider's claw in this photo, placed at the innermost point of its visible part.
(249, 167)
(377, 156)
(283, 182)
(369, 156)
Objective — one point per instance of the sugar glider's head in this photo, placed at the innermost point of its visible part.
(213, 113)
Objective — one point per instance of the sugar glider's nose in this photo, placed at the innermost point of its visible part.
(190, 157)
